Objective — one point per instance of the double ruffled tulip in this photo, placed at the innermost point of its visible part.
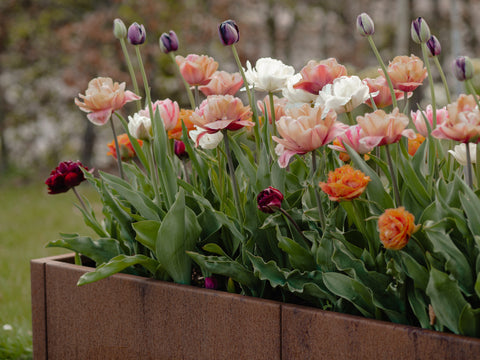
(384, 128)
(463, 123)
(357, 139)
(396, 226)
(380, 87)
(317, 74)
(345, 183)
(168, 110)
(414, 144)
(223, 83)
(406, 72)
(305, 129)
(297, 96)
(65, 176)
(102, 98)
(418, 118)
(269, 200)
(268, 75)
(197, 70)
(183, 117)
(127, 152)
(279, 105)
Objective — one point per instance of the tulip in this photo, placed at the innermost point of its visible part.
(317, 74)
(365, 25)
(222, 83)
(459, 152)
(463, 68)
(406, 72)
(279, 105)
(420, 31)
(295, 94)
(119, 29)
(140, 127)
(127, 152)
(136, 34)
(433, 46)
(418, 118)
(205, 140)
(65, 176)
(102, 98)
(356, 138)
(380, 87)
(168, 42)
(269, 200)
(396, 226)
(197, 70)
(228, 32)
(179, 149)
(169, 112)
(211, 283)
(414, 144)
(345, 183)
(183, 117)
(268, 75)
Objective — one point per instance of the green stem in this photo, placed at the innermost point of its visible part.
(130, 70)
(407, 107)
(117, 149)
(393, 175)
(430, 82)
(153, 171)
(231, 170)
(294, 223)
(272, 112)
(469, 166)
(317, 193)
(220, 178)
(471, 90)
(350, 118)
(187, 86)
(384, 69)
(444, 80)
(197, 95)
(145, 82)
(253, 107)
(80, 200)
(78, 259)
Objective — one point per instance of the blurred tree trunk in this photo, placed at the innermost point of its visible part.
(272, 28)
(402, 32)
(89, 137)
(456, 36)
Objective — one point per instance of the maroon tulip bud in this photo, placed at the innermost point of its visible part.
(420, 31)
(168, 42)
(179, 148)
(365, 25)
(211, 283)
(66, 175)
(136, 34)
(463, 68)
(228, 32)
(269, 200)
(433, 46)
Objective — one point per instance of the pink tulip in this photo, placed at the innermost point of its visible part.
(223, 83)
(197, 70)
(406, 72)
(356, 138)
(278, 105)
(419, 119)
(102, 98)
(384, 97)
(303, 130)
(317, 74)
(463, 123)
(384, 128)
(169, 112)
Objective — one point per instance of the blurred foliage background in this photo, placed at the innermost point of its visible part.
(50, 49)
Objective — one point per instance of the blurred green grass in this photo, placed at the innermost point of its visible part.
(29, 219)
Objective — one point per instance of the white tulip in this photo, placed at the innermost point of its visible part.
(140, 127)
(206, 140)
(268, 75)
(459, 152)
(295, 96)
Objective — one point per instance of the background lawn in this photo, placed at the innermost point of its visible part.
(29, 218)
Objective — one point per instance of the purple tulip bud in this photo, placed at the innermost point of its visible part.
(136, 34)
(211, 283)
(269, 200)
(179, 148)
(433, 46)
(228, 32)
(168, 42)
(365, 25)
(463, 68)
(420, 31)
(119, 29)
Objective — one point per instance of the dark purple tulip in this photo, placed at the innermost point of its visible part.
(228, 32)
(211, 283)
(269, 200)
(463, 68)
(420, 31)
(169, 42)
(136, 34)
(433, 46)
(65, 176)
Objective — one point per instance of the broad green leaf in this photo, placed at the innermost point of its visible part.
(300, 258)
(147, 231)
(100, 251)
(214, 249)
(177, 234)
(469, 323)
(414, 270)
(116, 265)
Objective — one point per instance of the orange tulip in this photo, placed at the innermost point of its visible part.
(406, 72)
(176, 132)
(414, 144)
(125, 146)
(396, 226)
(345, 183)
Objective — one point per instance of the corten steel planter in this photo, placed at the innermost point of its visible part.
(128, 317)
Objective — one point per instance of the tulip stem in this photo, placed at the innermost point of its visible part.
(384, 69)
(407, 107)
(145, 82)
(153, 171)
(130, 70)
(117, 149)
(231, 170)
(469, 166)
(187, 86)
(294, 223)
(430, 82)
(393, 175)
(272, 112)
(80, 199)
(317, 193)
(471, 90)
(444, 80)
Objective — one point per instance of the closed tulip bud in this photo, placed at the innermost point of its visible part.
(168, 42)
(420, 31)
(119, 29)
(228, 32)
(269, 200)
(365, 25)
(211, 283)
(179, 148)
(463, 68)
(136, 34)
(433, 46)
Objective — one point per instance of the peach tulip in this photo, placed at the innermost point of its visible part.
(303, 129)
(383, 97)
(406, 72)
(396, 226)
(357, 139)
(127, 152)
(102, 98)
(223, 83)
(317, 74)
(278, 106)
(345, 183)
(419, 116)
(197, 70)
(385, 128)
(463, 123)
(414, 144)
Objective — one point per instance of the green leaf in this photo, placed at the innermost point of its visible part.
(214, 248)
(117, 264)
(469, 323)
(100, 251)
(177, 234)
(147, 231)
(300, 258)
(446, 298)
